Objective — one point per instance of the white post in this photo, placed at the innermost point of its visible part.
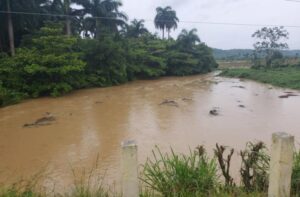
(282, 151)
(130, 187)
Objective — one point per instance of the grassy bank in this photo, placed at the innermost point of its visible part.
(286, 77)
(167, 174)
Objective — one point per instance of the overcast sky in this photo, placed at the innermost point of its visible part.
(277, 12)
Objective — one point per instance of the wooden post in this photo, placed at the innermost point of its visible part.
(282, 151)
(130, 187)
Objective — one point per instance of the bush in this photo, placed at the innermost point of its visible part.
(48, 65)
(106, 61)
(146, 58)
(255, 167)
(187, 61)
(181, 175)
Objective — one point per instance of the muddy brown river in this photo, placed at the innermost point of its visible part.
(95, 121)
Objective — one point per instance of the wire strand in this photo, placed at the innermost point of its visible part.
(149, 20)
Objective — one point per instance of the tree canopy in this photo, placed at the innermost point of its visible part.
(60, 47)
(269, 43)
(165, 19)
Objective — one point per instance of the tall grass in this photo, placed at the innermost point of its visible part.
(87, 182)
(255, 167)
(296, 174)
(173, 174)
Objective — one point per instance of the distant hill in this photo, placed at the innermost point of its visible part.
(239, 54)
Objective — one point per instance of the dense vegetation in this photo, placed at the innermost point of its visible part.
(246, 54)
(55, 48)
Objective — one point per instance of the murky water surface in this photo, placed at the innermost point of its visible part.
(95, 121)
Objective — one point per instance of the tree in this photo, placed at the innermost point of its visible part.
(104, 15)
(136, 29)
(269, 44)
(47, 65)
(165, 19)
(10, 29)
(188, 39)
(14, 26)
(72, 17)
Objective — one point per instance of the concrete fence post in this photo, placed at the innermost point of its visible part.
(282, 151)
(130, 187)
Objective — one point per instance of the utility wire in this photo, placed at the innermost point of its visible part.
(149, 20)
(293, 1)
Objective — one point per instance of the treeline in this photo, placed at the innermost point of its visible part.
(50, 47)
(246, 54)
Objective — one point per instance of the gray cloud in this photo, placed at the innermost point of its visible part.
(277, 12)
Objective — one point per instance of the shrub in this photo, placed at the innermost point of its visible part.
(181, 175)
(146, 58)
(187, 61)
(47, 65)
(255, 166)
(106, 61)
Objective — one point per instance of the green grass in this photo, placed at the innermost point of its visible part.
(286, 77)
(165, 175)
(181, 175)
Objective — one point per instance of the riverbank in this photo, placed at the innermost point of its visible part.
(174, 174)
(285, 77)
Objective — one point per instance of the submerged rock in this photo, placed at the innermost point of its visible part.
(46, 120)
(214, 112)
(242, 87)
(287, 95)
(187, 99)
(169, 103)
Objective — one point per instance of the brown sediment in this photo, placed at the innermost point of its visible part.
(82, 130)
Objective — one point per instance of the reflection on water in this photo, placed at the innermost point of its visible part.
(95, 121)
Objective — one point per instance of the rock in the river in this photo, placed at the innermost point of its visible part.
(214, 112)
(242, 87)
(46, 120)
(187, 99)
(169, 103)
(288, 94)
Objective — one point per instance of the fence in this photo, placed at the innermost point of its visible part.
(282, 150)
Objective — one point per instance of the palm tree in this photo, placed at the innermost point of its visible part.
(72, 16)
(136, 28)
(103, 13)
(188, 38)
(14, 26)
(165, 19)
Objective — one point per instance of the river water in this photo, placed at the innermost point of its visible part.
(92, 123)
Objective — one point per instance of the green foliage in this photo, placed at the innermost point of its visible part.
(181, 175)
(136, 29)
(146, 58)
(106, 61)
(46, 66)
(296, 174)
(255, 167)
(186, 57)
(51, 63)
(286, 77)
(165, 19)
(268, 47)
